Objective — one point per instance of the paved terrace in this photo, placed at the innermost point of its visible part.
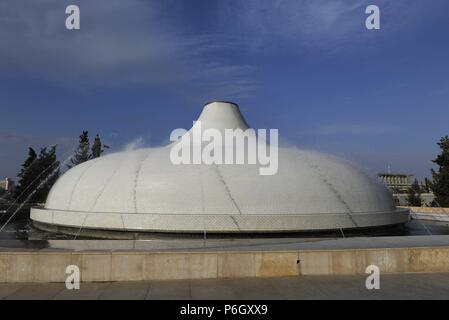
(397, 286)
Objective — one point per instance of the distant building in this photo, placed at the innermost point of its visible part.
(399, 185)
(397, 182)
(6, 185)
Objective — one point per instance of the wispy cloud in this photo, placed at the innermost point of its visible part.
(142, 42)
(120, 43)
(327, 25)
(354, 129)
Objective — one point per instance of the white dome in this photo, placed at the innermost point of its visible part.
(142, 190)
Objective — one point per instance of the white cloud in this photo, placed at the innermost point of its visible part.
(120, 43)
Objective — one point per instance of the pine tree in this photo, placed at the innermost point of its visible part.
(414, 195)
(49, 166)
(38, 175)
(440, 184)
(26, 174)
(82, 152)
(97, 147)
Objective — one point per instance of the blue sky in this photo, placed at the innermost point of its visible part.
(139, 69)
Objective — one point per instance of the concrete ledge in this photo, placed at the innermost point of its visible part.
(50, 266)
(429, 213)
(442, 217)
(428, 210)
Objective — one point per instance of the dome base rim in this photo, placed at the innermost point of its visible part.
(197, 223)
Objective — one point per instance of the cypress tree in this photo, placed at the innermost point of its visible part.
(97, 147)
(414, 195)
(49, 167)
(82, 152)
(38, 175)
(427, 184)
(440, 184)
(26, 175)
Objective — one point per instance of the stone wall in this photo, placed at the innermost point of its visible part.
(137, 266)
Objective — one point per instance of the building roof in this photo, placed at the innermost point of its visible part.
(310, 191)
(391, 174)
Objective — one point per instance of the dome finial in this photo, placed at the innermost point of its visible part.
(222, 115)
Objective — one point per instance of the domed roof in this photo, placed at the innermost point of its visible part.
(143, 190)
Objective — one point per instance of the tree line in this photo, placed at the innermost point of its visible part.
(40, 171)
(440, 180)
